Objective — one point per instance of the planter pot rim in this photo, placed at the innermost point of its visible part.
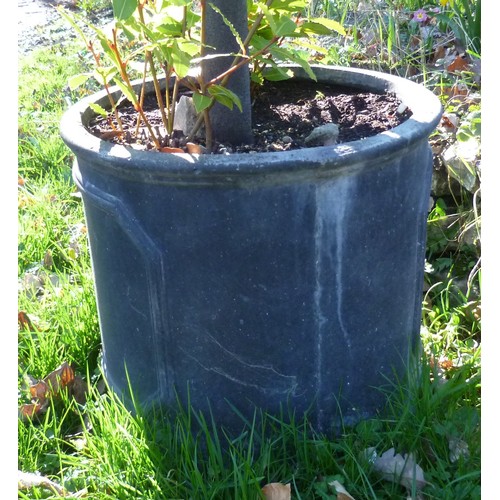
(322, 161)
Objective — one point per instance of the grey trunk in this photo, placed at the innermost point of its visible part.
(229, 126)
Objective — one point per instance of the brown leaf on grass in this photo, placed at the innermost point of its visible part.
(41, 391)
(449, 121)
(79, 390)
(446, 364)
(28, 411)
(48, 260)
(457, 91)
(24, 322)
(277, 491)
(460, 63)
(439, 53)
(60, 377)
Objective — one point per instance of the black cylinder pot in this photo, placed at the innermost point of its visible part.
(283, 281)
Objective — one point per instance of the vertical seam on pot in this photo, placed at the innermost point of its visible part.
(117, 209)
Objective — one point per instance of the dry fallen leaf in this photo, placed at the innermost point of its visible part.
(42, 390)
(24, 322)
(458, 449)
(110, 134)
(193, 148)
(39, 391)
(28, 411)
(342, 493)
(79, 390)
(277, 491)
(400, 468)
(167, 149)
(27, 480)
(60, 377)
(460, 63)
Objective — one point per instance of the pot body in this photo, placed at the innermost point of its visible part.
(283, 281)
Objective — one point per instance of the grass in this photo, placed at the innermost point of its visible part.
(100, 449)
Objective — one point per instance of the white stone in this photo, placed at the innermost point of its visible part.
(324, 135)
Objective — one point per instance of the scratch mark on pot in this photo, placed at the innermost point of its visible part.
(228, 364)
(138, 311)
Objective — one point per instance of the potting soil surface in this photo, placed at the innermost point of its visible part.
(283, 115)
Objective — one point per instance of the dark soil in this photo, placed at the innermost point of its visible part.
(283, 115)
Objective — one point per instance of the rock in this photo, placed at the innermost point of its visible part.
(460, 159)
(186, 116)
(324, 135)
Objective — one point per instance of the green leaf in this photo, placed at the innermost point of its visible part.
(180, 60)
(109, 51)
(276, 74)
(201, 102)
(77, 80)
(98, 109)
(322, 26)
(231, 27)
(176, 3)
(72, 21)
(104, 74)
(225, 96)
(285, 26)
(123, 9)
(128, 92)
(268, 15)
(285, 55)
(289, 5)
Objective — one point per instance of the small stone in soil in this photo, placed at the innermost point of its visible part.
(324, 135)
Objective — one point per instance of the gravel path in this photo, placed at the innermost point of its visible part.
(40, 25)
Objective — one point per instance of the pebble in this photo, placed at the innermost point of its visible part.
(324, 135)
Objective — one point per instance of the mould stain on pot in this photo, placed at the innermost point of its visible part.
(331, 208)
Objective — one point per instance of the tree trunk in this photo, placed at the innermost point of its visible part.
(229, 126)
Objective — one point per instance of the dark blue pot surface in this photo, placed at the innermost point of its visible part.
(285, 280)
